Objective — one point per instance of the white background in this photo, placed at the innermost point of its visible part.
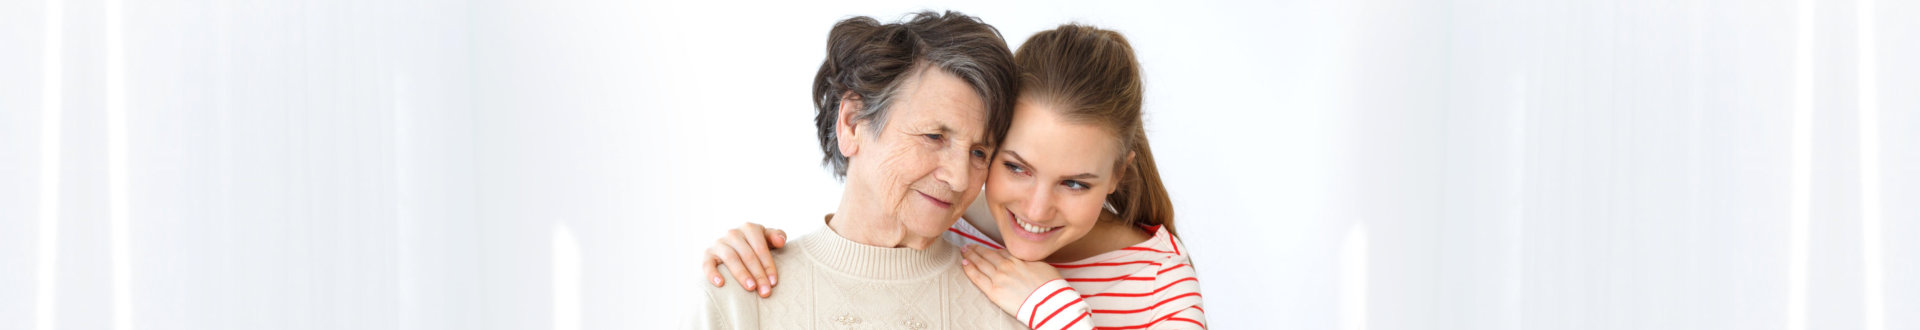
(1385, 164)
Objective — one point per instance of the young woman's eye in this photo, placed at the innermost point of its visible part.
(1015, 168)
(1075, 185)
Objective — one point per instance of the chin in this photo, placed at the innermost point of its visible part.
(933, 224)
(1030, 253)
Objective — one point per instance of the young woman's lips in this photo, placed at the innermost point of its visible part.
(1022, 232)
(935, 201)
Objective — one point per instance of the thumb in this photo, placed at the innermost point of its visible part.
(776, 238)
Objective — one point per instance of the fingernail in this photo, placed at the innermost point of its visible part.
(763, 291)
(773, 279)
(965, 262)
(716, 281)
(749, 284)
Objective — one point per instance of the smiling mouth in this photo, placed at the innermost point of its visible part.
(1029, 227)
(936, 201)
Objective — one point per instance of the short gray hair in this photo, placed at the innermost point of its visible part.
(871, 60)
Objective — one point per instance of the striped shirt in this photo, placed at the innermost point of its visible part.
(1150, 285)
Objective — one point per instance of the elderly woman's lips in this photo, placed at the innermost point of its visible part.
(936, 201)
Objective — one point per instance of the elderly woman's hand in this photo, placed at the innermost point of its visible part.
(745, 251)
(1006, 281)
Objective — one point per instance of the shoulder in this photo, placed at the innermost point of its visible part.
(727, 307)
(1178, 281)
(1177, 262)
(733, 307)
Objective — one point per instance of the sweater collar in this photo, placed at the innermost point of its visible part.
(832, 251)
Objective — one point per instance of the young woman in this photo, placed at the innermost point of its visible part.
(1073, 194)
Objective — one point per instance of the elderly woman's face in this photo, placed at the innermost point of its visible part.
(930, 159)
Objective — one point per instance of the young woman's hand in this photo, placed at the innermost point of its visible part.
(1006, 281)
(746, 253)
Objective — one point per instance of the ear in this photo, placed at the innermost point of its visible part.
(846, 131)
(1121, 174)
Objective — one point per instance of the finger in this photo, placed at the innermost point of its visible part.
(999, 259)
(777, 238)
(712, 266)
(978, 261)
(979, 279)
(732, 261)
(728, 248)
(757, 238)
(985, 254)
(739, 241)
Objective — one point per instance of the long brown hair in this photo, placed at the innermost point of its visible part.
(1090, 75)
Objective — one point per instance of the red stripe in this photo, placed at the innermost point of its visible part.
(1076, 321)
(1142, 294)
(1043, 302)
(1169, 269)
(1176, 247)
(1148, 308)
(1143, 248)
(1155, 263)
(1110, 279)
(1197, 307)
(976, 239)
(1148, 324)
(1056, 312)
(1202, 326)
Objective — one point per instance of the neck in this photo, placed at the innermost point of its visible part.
(861, 221)
(1107, 235)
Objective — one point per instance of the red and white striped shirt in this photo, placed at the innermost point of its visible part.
(1150, 285)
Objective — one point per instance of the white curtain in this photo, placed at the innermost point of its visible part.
(1388, 164)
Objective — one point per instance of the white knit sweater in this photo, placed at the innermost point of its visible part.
(829, 282)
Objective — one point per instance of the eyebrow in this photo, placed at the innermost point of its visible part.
(1022, 160)
(942, 129)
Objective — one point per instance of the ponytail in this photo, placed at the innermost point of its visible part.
(1142, 199)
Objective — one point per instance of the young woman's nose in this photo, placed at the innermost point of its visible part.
(1040, 204)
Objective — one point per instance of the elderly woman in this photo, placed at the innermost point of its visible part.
(907, 115)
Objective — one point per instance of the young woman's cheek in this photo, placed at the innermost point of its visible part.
(1086, 207)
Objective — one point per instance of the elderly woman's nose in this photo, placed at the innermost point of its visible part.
(957, 169)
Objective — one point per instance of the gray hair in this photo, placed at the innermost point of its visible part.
(871, 60)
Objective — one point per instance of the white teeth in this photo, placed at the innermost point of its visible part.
(1031, 227)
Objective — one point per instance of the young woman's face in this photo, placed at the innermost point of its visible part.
(1050, 180)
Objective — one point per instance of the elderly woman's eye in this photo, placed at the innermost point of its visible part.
(935, 137)
(977, 153)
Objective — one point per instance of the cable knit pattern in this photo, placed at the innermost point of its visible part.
(829, 282)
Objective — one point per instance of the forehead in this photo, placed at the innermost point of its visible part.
(1049, 143)
(935, 98)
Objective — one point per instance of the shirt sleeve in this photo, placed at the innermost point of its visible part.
(1055, 306)
(1182, 305)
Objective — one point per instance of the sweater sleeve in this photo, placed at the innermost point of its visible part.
(727, 307)
(1055, 306)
